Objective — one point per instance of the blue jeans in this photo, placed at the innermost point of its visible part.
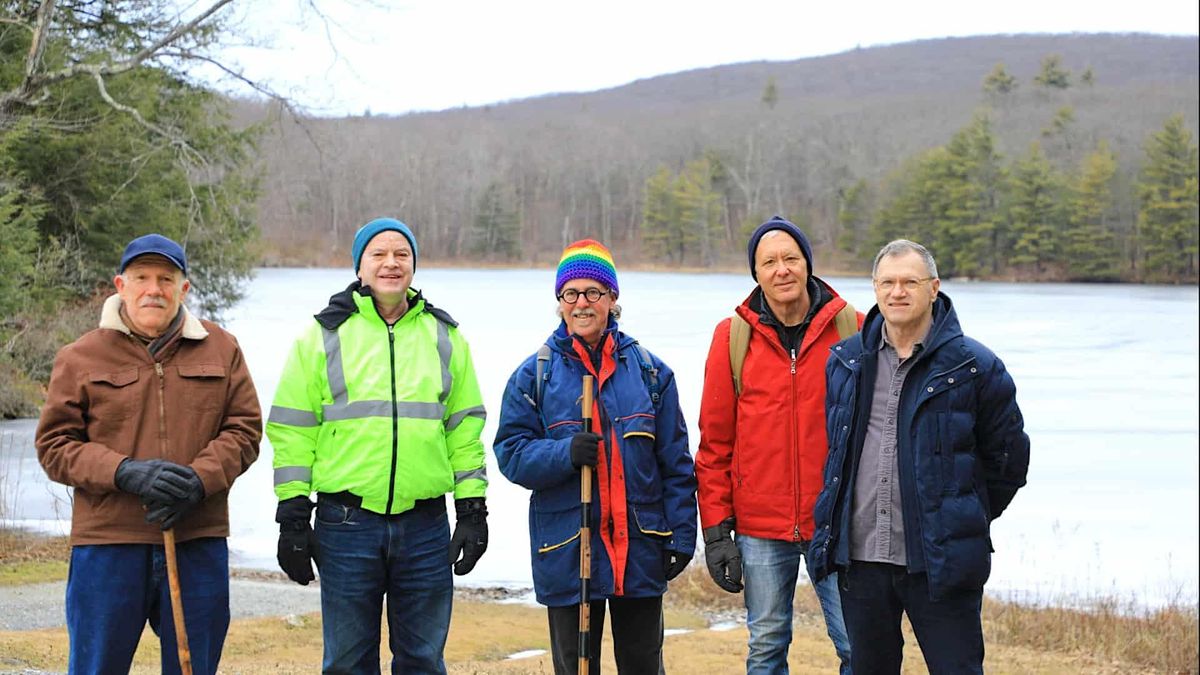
(949, 630)
(771, 569)
(365, 556)
(113, 589)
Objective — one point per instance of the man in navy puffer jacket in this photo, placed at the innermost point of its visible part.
(927, 447)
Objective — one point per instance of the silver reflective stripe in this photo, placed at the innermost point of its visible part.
(479, 474)
(287, 474)
(361, 409)
(457, 418)
(333, 366)
(444, 352)
(292, 417)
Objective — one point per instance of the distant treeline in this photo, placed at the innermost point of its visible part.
(1023, 157)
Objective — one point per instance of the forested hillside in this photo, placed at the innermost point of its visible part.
(1013, 156)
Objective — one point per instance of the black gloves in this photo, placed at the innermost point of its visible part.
(297, 543)
(154, 480)
(674, 562)
(168, 490)
(183, 482)
(722, 556)
(470, 534)
(585, 449)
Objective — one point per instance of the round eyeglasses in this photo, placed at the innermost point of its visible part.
(571, 296)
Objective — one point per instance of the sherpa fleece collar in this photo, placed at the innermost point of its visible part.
(110, 317)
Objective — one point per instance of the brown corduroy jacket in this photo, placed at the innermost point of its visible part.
(108, 399)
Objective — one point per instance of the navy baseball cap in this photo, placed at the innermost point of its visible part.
(155, 244)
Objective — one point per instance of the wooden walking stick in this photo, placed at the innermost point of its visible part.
(181, 639)
(585, 539)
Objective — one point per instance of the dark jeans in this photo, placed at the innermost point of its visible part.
(948, 629)
(114, 589)
(365, 556)
(637, 627)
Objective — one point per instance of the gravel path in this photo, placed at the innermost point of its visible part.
(32, 606)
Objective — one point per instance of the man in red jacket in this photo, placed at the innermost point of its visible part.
(762, 451)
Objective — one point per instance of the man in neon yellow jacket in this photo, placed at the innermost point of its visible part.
(378, 411)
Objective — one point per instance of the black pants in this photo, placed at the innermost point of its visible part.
(874, 595)
(637, 628)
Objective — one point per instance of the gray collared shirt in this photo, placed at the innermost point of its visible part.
(877, 524)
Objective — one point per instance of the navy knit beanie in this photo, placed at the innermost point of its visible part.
(367, 232)
(779, 223)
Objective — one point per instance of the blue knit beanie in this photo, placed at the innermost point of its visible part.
(779, 223)
(367, 232)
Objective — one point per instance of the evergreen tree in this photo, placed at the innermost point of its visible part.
(699, 211)
(968, 185)
(770, 95)
(1168, 220)
(659, 216)
(853, 218)
(1053, 75)
(496, 233)
(1089, 245)
(1088, 77)
(999, 82)
(1034, 213)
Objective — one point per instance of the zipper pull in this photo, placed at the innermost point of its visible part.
(796, 532)
(391, 334)
(793, 361)
(158, 368)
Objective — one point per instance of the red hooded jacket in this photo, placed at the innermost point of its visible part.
(762, 455)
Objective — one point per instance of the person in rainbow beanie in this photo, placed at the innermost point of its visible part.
(643, 525)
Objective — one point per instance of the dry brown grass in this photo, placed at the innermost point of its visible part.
(28, 558)
(1106, 638)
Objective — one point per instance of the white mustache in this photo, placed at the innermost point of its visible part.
(153, 302)
(582, 313)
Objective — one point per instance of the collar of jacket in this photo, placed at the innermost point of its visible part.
(818, 294)
(944, 328)
(560, 340)
(110, 317)
(357, 298)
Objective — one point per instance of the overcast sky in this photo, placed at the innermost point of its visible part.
(395, 56)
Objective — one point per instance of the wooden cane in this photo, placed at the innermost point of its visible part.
(181, 639)
(585, 539)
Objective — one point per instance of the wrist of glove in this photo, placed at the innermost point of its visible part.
(470, 538)
(722, 557)
(585, 449)
(298, 548)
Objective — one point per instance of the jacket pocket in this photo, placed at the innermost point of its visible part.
(651, 521)
(111, 397)
(204, 385)
(555, 530)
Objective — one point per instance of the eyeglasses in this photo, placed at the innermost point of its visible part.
(910, 285)
(571, 296)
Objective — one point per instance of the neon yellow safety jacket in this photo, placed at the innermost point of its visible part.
(391, 414)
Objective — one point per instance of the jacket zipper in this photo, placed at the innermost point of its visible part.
(162, 415)
(395, 418)
(795, 455)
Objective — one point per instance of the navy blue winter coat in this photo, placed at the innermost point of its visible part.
(962, 450)
(533, 450)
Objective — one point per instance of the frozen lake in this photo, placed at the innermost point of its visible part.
(1107, 377)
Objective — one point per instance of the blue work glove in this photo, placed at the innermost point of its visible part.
(470, 538)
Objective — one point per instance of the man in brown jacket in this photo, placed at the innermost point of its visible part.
(150, 417)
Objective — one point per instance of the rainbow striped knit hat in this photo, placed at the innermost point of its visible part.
(586, 259)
